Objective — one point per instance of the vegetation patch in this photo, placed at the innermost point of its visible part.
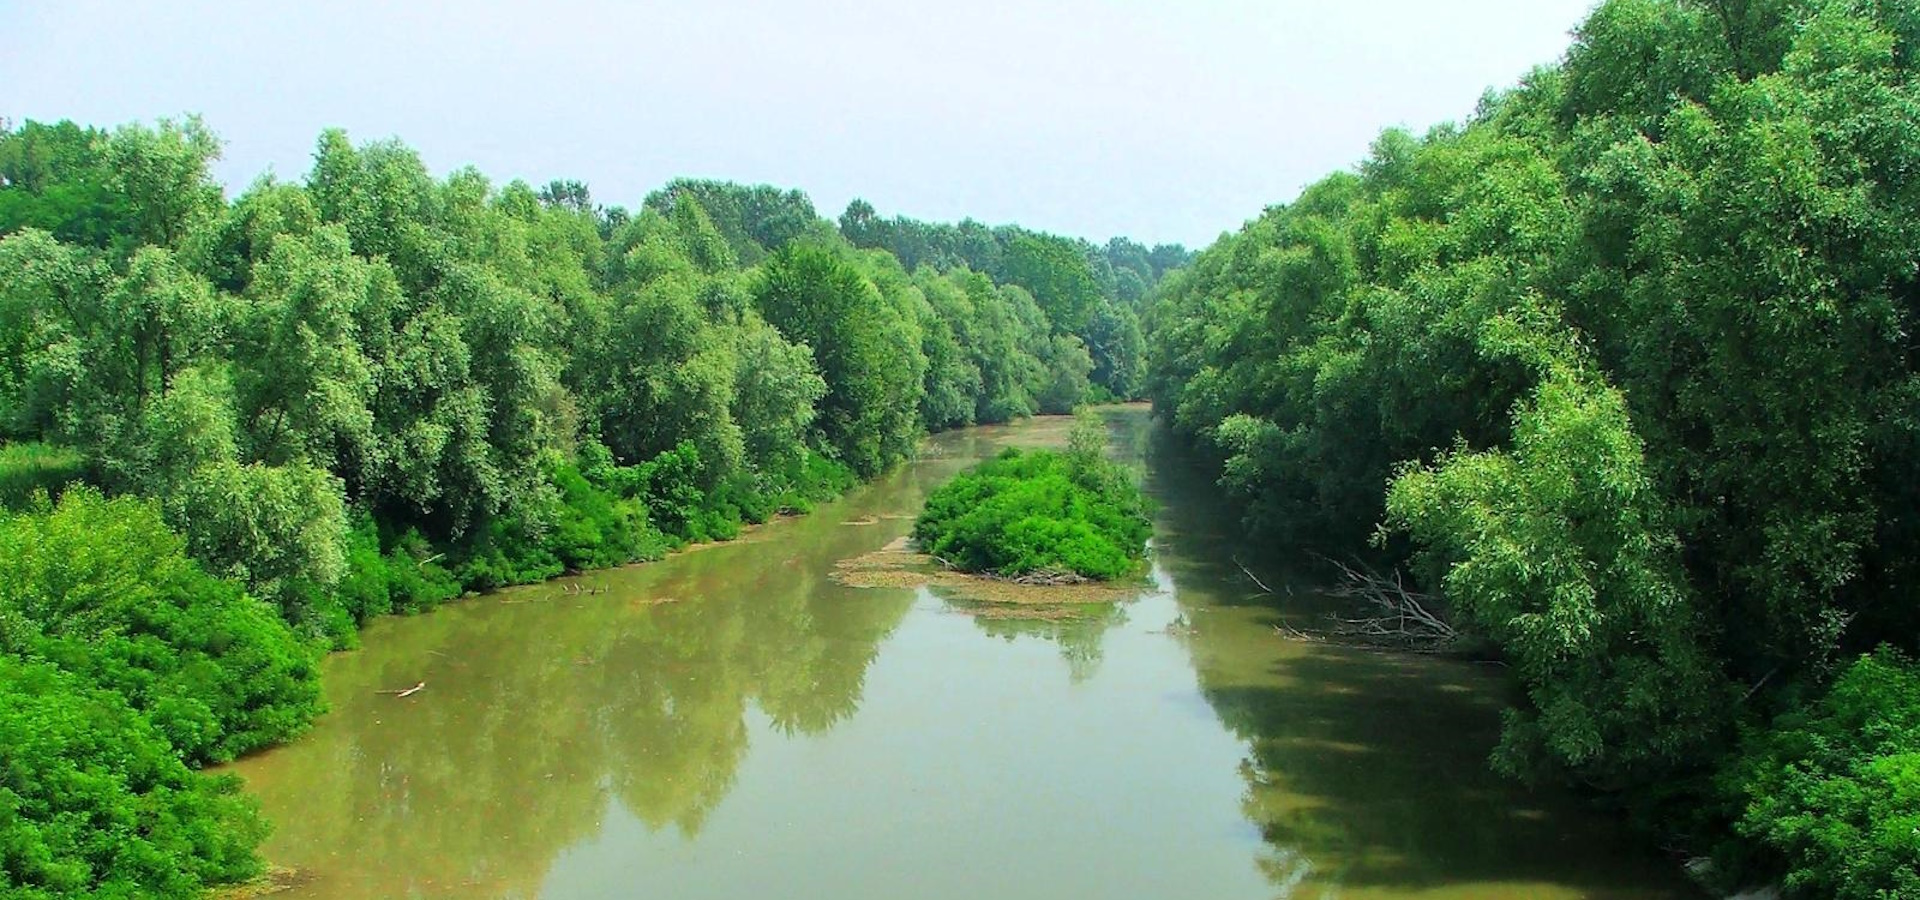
(123, 664)
(1040, 515)
(1833, 790)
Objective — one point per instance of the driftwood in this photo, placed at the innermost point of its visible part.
(1049, 578)
(1403, 616)
(1256, 579)
(403, 694)
(1252, 577)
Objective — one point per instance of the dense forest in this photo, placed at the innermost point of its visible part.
(236, 430)
(1624, 370)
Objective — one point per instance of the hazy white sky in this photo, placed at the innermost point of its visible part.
(1164, 121)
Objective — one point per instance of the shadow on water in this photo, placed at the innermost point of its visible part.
(1081, 636)
(1367, 772)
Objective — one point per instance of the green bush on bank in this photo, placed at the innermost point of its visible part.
(399, 574)
(103, 589)
(1037, 512)
(123, 663)
(1833, 789)
(94, 802)
(604, 514)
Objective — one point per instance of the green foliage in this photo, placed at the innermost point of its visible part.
(866, 347)
(115, 191)
(1094, 293)
(391, 575)
(26, 469)
(1037, 511)
(419, 349)
(597, 529)
(1554, 550)
(1055, 271)
(1063, 384)
(775, 391)
(754, 220)
(105, 590)
(93, 801)
(1834, 788)
(1117, 350)
(506, 552)
(812, 479)
(280, 530)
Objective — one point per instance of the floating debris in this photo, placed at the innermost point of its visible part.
(275, 880)
(899, 565)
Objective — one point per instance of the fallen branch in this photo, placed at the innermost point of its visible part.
(1286, 630)
(1252, 577)
(403, 694)
(1404, 616)
(1048, 578)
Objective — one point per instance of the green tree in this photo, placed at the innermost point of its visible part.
(1055, 271)
(864, 347)
(162, 174)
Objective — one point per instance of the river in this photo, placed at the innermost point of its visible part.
(732, 723)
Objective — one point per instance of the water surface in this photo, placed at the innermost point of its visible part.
(731, 723)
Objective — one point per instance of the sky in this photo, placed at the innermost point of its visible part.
(1162, 121)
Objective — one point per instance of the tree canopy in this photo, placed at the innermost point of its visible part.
(1624, 366)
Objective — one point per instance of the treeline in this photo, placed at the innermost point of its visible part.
(236, 430)
(1098, 293)
(1625, 369)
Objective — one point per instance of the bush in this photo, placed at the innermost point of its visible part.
(597, 529)
(1834, 789)
(103, 589)
(598, 517)
(278, 529)
(94, 803)
(813, 478)
(506, 551)
(403, 577)
(1038, 511)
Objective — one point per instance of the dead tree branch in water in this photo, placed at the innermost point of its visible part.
(1256, 579)
(1403, 616)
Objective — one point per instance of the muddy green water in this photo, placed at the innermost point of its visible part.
(731, 723)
